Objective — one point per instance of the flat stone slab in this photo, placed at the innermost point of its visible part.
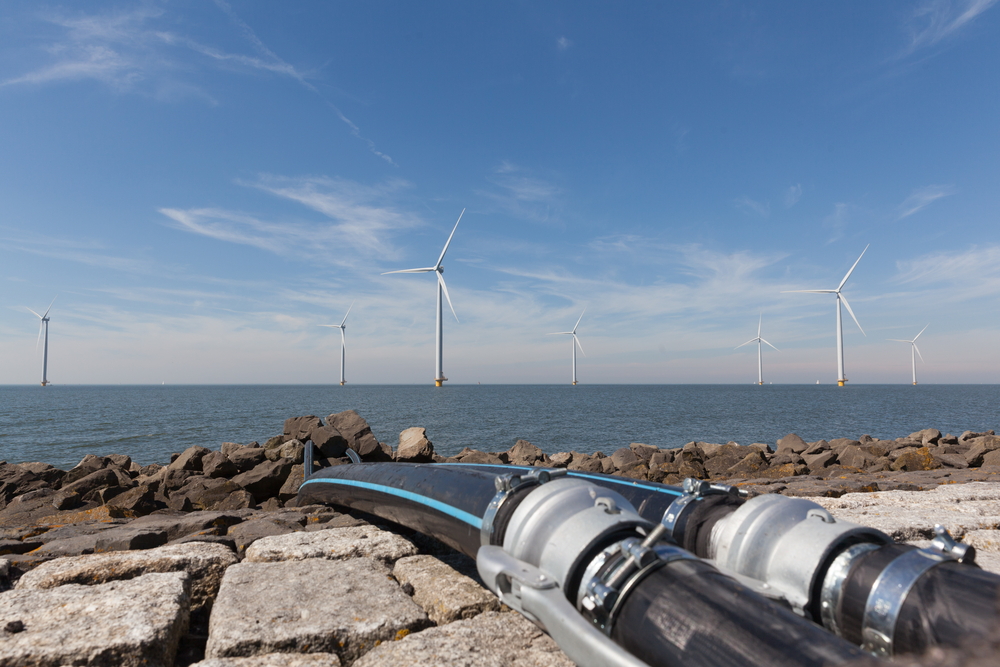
(910, 515)
(492, 639)
(129, 623)
(334, 544)
(275, 660)
(444, 593)
(313, 605)
(205, 563)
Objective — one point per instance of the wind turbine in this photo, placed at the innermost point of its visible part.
(575, 344)
(439, 377)
(343, 342)
(758, 340)
(43, 325)
(840, 328)
(913, 348)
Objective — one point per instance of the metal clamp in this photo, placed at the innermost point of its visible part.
(694, 489)
(506, 485)
(614, 572)
(886, 598)
(537, 596)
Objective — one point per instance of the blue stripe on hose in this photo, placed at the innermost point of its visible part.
(471, 519)
(574, 473)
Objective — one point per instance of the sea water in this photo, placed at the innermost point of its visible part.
(61, 424)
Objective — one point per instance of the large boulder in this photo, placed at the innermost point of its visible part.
(793, 443)
(928, 436)
(332, 544)
(623, 457)
(217, 464)
(266, 480)
(444, 593)
(414, 447)
(132, 623)
(523, 453)
(491, 638)
(358, 434)
(300, 427)
(204, 563)
(342, 607)
(190, 459)
(247, 458)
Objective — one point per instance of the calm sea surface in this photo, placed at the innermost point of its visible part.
(61, 424)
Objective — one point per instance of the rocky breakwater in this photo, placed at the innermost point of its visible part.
(208, 560)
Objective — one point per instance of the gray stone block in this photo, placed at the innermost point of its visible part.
(317, 605)
(332, 544)
(128, 623)
(275, 660)
(492, 639)
(445, 594)
(204, 563)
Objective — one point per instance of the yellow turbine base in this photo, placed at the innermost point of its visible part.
(914, 384)
(840, 383)
(343, 382)
(760, 383)
(47, 383)
(438, 383)
(574, 383)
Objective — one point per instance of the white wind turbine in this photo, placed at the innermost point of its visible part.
(343, 342)
(575, 344)
(758, 340)
(43, 325)
(913, 349)
(439, 377)
(840, 328)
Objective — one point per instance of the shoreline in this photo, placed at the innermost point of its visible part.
(220, 509)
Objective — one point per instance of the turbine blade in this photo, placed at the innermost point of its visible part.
(444, 287)
(921, 331)
(348, 313)
(841, 285)
(760, 321)
(809, 291)
(578, 344)
(900, 340)
(766, 343)
(34, 313)
(918, 352)
(844, 299)
(448, 242)
(560, 333)
(333, 326)
(50, 306)
(578, 321)
(427, 270)
(752, 340)
(39, 339)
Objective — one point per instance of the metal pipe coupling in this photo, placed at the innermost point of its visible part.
(786, 544)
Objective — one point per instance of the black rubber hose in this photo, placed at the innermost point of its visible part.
(687, 613)
(448, 500)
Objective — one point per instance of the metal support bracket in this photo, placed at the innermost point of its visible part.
(538, 597)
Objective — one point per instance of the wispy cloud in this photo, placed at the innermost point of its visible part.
(523, 194)
(921, 198)
(935, 20)
(964, 274)
(361, 221)
(837, 221)
(793, 195)
(563, 44)
(124, 50)
(763, 209)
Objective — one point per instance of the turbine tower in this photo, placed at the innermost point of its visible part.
(343, 342)
(43, 325)
(841, 379)
(913, 349)
(438, 268)
(758, 340)
(575, 344)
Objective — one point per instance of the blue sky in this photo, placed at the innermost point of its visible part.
(200, 184)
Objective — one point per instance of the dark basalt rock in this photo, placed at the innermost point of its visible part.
(265, 480)
(247, 458)
(300, 428)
